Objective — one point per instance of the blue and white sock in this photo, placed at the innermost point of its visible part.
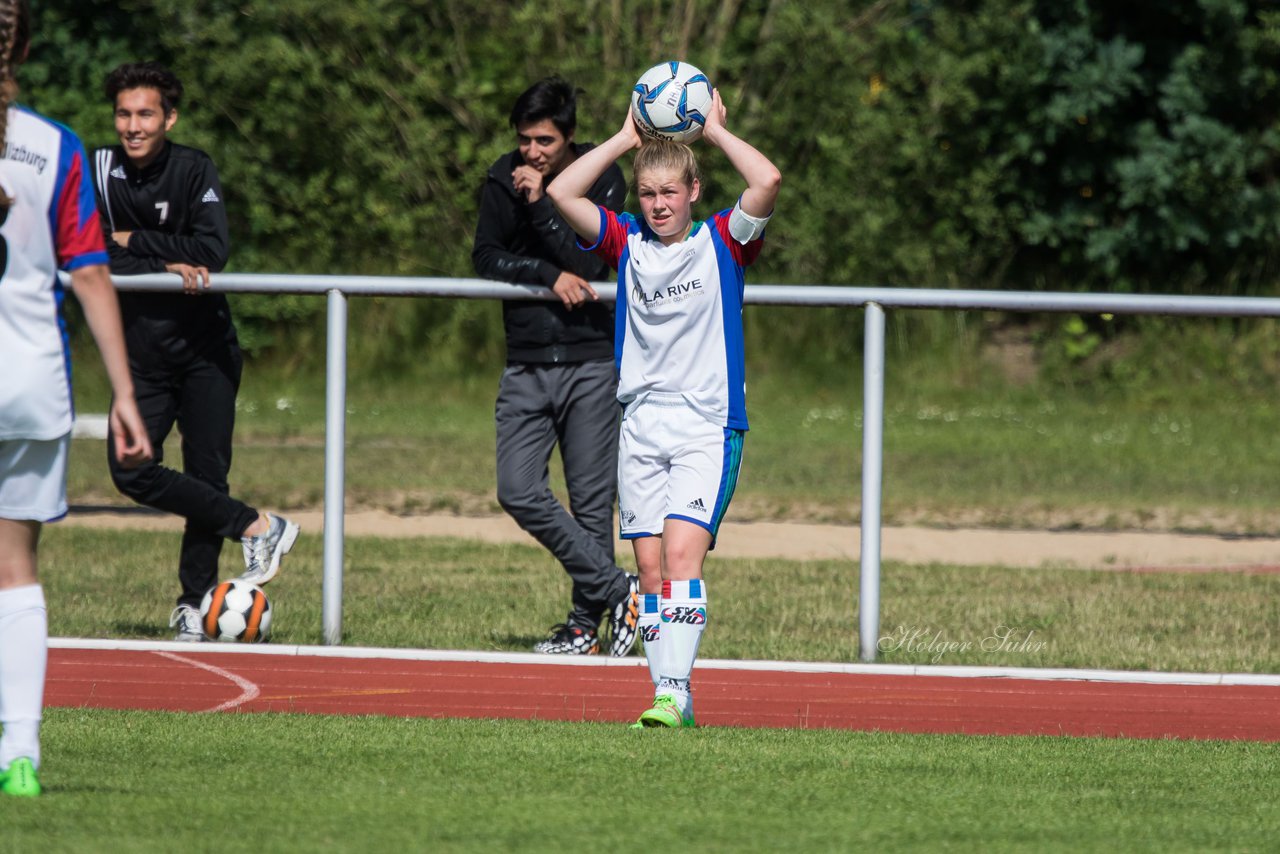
(24, 653)
(650, 629)
(684, 618)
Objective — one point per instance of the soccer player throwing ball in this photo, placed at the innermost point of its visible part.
(680, 359)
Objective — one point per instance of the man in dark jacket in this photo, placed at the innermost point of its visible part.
(161, 209)
(559, 384)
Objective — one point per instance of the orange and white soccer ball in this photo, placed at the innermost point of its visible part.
(236, 611)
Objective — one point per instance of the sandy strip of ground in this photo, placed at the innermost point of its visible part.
(1084, 549)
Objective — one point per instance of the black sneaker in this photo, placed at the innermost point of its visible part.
(569, 640)
(624, 620)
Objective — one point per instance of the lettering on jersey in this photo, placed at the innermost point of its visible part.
(670, 293)
(21, 154)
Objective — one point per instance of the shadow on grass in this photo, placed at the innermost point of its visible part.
(115, 509)
(143, 631)
(517, 643)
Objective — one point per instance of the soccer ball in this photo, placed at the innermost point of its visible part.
(671, 101)
(236, 611)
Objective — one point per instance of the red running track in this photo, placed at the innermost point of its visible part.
(186, 680)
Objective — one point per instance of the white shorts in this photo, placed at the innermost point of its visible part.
(674, 464)
(33, 479)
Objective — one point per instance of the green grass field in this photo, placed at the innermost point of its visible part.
(146, 781)
(135, 781)
(142, 782)
(978, 453)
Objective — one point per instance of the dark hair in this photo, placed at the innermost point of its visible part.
(551, 98)
(145, 75)
(15, 39)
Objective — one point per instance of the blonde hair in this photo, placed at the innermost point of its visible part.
(659, 155)
(15, 34)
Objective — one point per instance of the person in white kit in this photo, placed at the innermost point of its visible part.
(681, 364)
(48, 220)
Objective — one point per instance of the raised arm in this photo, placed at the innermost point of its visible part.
(608, 191)
(569, 190)
(762, 177)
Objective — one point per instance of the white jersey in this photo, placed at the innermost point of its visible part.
(679, 314)
(52, 224)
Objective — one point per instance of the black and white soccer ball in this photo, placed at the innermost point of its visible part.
(236, 611)
(671, 101)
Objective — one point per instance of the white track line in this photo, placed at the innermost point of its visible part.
(248, 690)
(959, 671)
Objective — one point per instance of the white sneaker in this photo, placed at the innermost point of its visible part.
(187, 621)
(262, 553)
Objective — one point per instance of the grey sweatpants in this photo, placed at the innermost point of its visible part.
(575, 405)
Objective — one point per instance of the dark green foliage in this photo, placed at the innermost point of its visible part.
(74, 44)
(988, 143)
(1150, 163)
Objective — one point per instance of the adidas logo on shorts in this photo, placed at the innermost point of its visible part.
(696, 504)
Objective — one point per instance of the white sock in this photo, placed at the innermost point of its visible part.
(24, 651)
(650, 629)
(684, 617)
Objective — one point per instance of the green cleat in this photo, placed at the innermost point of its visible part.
(20, 780)
(665, 713)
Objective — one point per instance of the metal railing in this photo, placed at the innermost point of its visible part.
(873, 299)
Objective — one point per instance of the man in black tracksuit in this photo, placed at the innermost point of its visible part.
(559, 385)
(161, 209)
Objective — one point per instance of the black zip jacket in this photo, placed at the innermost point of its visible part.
(532, 244)
(175, 211)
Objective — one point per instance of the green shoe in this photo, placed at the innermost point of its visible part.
(20, 780)
(665, 713)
